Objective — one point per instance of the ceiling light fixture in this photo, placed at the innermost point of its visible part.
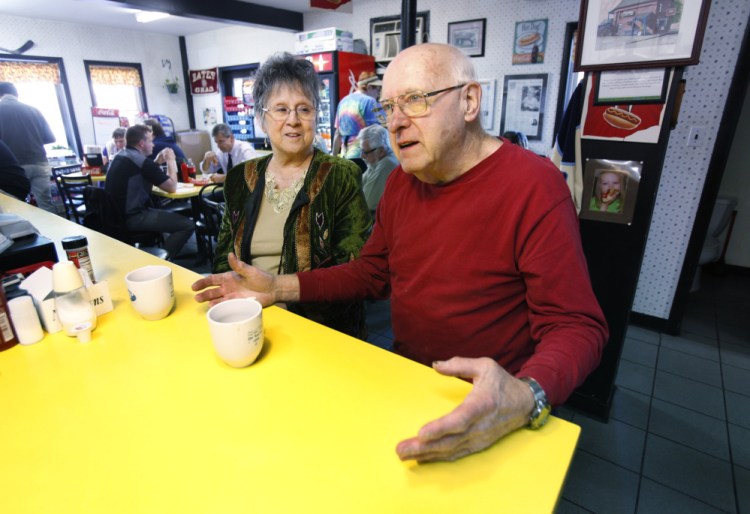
(149, 16)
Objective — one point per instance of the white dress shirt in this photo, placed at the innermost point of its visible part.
(241, 151)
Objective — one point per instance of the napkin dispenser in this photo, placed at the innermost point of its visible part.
(14, 226)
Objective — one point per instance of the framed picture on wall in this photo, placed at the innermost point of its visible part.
(468, 36)
(488, 103)
(529, 42)
(610, 190)
(523, 105)
(638, 35)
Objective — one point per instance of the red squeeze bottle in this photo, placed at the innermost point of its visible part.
(185, 172)
(7, 334)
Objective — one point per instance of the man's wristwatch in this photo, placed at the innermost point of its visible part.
(542, 408)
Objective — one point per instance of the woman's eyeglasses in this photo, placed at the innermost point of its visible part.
(412, 104)
(368, 152)
(281, 113)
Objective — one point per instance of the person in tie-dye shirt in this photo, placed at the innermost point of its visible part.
(355, 112)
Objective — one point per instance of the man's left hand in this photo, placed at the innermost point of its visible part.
(498, 404)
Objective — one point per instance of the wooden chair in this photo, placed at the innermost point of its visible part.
(71, 191)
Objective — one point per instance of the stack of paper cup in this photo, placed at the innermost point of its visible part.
(25, 320)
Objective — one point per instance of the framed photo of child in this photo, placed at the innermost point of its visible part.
(610, 190)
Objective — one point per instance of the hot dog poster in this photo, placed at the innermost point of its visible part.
(529, 42)
(622, 121)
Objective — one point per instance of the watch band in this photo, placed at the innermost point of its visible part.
(541, 412)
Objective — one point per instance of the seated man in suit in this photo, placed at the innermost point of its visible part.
(130, 178)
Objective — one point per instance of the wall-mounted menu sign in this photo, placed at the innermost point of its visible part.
(204, 82)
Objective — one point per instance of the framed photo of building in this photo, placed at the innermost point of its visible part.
(626, 34)
(468, 36)
(523, 104)
(610, 190)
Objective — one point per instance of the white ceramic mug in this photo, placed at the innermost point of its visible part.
(237, 330)
(151, 291)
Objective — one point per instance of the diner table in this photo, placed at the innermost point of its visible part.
(145, 418)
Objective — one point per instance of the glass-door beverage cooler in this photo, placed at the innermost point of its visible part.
(238, 105)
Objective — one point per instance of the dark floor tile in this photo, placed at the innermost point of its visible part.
(738, 408)
(700, 346)
(564, 412)
(642, 334)
(734, 354)
(613, 441)
(600, 486)
(635, 376)
(734, 334)
(739, 440)
(566, 507)
(639, 352)
(690, 394)
(655, 498)
(690, 472)
(690, 366)
(741, 481)
(736, 380)
(700, 327)
(680, 425)
(630, 407)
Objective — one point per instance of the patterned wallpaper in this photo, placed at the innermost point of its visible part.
(685, 167)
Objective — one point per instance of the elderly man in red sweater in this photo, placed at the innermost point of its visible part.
(476, 243)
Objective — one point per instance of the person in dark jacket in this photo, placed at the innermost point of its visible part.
(12, 175)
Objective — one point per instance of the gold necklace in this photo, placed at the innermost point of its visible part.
(280, 199)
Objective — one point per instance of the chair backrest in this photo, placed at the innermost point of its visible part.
(212, 207)
(102, 215)
(71, 191)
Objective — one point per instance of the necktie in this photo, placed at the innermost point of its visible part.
(229, 162)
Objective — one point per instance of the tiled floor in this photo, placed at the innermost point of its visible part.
(678, 439)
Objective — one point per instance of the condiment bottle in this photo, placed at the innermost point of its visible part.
(77, 250)
(7, 335)
(72, 304)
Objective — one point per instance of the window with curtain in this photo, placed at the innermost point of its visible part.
(117, 86)
(41, 83)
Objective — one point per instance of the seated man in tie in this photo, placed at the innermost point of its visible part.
(231, 153)
(377, 153)
(132, 174)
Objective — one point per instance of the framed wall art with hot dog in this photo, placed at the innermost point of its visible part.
(627, 34)
(626, 115)
(468, 36)
(529, 42)
(610, 189)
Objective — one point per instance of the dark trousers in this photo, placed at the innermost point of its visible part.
(179, 228)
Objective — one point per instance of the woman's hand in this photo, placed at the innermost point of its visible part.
(244, 281)
(498, 404)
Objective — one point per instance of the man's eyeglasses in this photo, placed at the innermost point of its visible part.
(368, 152)
(412, 104)
(281, 113)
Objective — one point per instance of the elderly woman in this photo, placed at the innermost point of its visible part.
(298, 208)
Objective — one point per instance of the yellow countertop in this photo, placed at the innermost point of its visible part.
(145, 418)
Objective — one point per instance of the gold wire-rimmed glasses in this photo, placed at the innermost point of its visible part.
(413, 103)
(281, 112)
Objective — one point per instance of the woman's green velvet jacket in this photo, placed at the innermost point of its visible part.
(328, 224)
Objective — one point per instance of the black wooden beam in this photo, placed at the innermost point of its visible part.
(226, 11)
